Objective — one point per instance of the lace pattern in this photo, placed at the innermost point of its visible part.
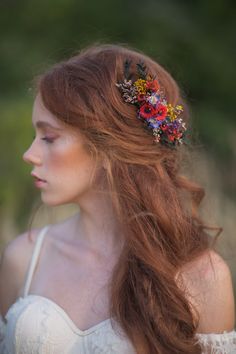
(34, 325)
(222, 343)
(102, 341)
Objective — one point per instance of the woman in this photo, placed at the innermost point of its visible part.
(134, 270)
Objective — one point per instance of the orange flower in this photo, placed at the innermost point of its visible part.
(152, 85)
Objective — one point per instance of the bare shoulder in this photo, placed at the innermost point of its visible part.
(15, 259)
(208, 284)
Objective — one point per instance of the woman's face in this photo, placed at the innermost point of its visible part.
(58, 158)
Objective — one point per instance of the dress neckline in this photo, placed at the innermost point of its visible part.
(62, 312)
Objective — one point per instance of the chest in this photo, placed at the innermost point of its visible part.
(80, 288)
(40, 326)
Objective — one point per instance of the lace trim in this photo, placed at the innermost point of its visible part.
(212, 343)
(218, 343)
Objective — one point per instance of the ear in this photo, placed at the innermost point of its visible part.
(105, 162)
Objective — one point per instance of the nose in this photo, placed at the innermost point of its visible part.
(31, 156)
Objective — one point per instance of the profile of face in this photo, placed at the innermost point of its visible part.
(62, 167)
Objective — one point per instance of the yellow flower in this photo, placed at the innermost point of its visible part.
(171, 112)
(140, 85)
(179, 108)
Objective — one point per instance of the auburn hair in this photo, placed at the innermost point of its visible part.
(155, 203)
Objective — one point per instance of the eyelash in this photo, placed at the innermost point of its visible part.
(48, 140)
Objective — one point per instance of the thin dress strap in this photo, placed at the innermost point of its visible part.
(34, 258)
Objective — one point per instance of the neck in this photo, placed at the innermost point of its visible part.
(98, 226)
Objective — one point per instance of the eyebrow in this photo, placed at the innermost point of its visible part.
(42, 124)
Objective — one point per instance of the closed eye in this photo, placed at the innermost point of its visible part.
(48, 140)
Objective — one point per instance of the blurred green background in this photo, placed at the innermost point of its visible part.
(193, 40)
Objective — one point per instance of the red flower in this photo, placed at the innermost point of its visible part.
(161, 112)
(141, 97)
(147, 111)
(152, 85)
(171, 137)
(164, 127)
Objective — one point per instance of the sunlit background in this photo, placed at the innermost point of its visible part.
(193, 40)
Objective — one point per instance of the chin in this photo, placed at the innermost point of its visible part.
(55, 201)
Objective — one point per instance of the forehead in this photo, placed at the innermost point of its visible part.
(43, 119)
(41, 115)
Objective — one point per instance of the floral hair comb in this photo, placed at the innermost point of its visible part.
(153, 109)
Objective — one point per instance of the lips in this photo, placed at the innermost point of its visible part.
(37, 178)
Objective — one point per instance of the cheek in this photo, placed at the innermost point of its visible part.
(70, 165)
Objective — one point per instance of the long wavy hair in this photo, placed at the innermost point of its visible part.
(155, 203)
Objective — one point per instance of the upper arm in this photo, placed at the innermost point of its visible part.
(210, 284)
(13, 267)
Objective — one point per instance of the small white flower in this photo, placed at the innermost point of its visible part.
(153, 99)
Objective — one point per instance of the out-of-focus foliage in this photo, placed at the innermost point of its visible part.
(194, 40)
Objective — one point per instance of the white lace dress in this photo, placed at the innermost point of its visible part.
(37, 325)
